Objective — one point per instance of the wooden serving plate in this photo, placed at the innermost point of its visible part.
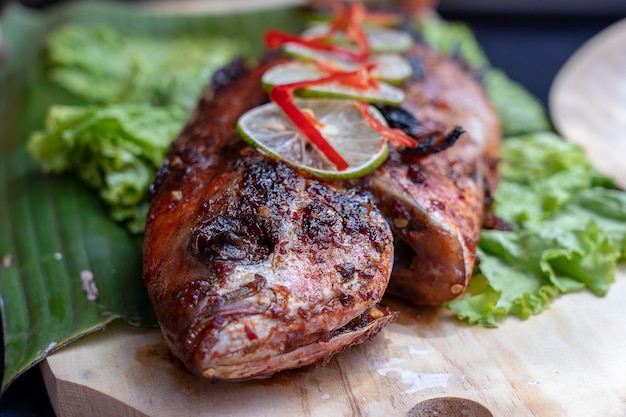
(567, 361)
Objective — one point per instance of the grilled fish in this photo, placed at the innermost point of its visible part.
(251, 267)
(254, 268)
(436, 204)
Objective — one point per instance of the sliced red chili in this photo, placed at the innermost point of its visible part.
(275, 38)
(283, 96)
(361, 79)
(394, 135)
(348, 20)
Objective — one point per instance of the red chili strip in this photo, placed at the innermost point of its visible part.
(394, 135)
(275, 38)
(283, 96)
(359, 78)
(348, 20)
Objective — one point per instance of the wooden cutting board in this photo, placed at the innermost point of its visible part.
(568, 361)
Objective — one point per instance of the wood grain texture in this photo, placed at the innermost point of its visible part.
(568, 361)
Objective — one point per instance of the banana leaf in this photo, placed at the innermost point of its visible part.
(66, 269)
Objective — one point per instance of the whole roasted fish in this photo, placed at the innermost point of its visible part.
(435, 204)
(253, 268)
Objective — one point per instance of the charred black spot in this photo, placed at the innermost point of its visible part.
(433, 144)
(268, 182)
(346, 300)
(158, 179)
(232, 240)
(401, 118)
(429, 140)
(226, 75)
(320, 224)
(352, 210)
(346, 270)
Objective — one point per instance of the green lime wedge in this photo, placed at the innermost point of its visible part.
(392, 20)
(391, 67)
(303, 71)
(381, 39)
(309, 54)
(388, 40)
(268, 129)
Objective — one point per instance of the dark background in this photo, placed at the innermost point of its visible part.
(529, 39)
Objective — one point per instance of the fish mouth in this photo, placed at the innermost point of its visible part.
(317, 351)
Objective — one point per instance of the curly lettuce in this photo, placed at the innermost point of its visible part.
(136, 92)
(569, 222)
(114, 149)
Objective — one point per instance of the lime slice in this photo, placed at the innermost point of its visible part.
(391, 67)
(303, 52)
(267, 128)
(381, 39)
(301, 71)
(372, 19)
(388, 40)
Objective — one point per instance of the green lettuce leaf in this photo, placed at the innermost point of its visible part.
(569, 232)
(453, 38)
(569, 221)
(137, 95)
(102, 65)
(520, 112)
(114, 149)
(520, 272)
(540, 172)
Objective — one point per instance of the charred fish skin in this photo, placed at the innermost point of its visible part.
(436, 204)
(251, 267)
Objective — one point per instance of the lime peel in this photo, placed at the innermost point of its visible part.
(267, 128)
(297, 71)
(380, 39)
(332, 138)
(390, 67)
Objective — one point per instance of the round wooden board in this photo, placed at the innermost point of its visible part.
(568, 361)
(588, 100)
